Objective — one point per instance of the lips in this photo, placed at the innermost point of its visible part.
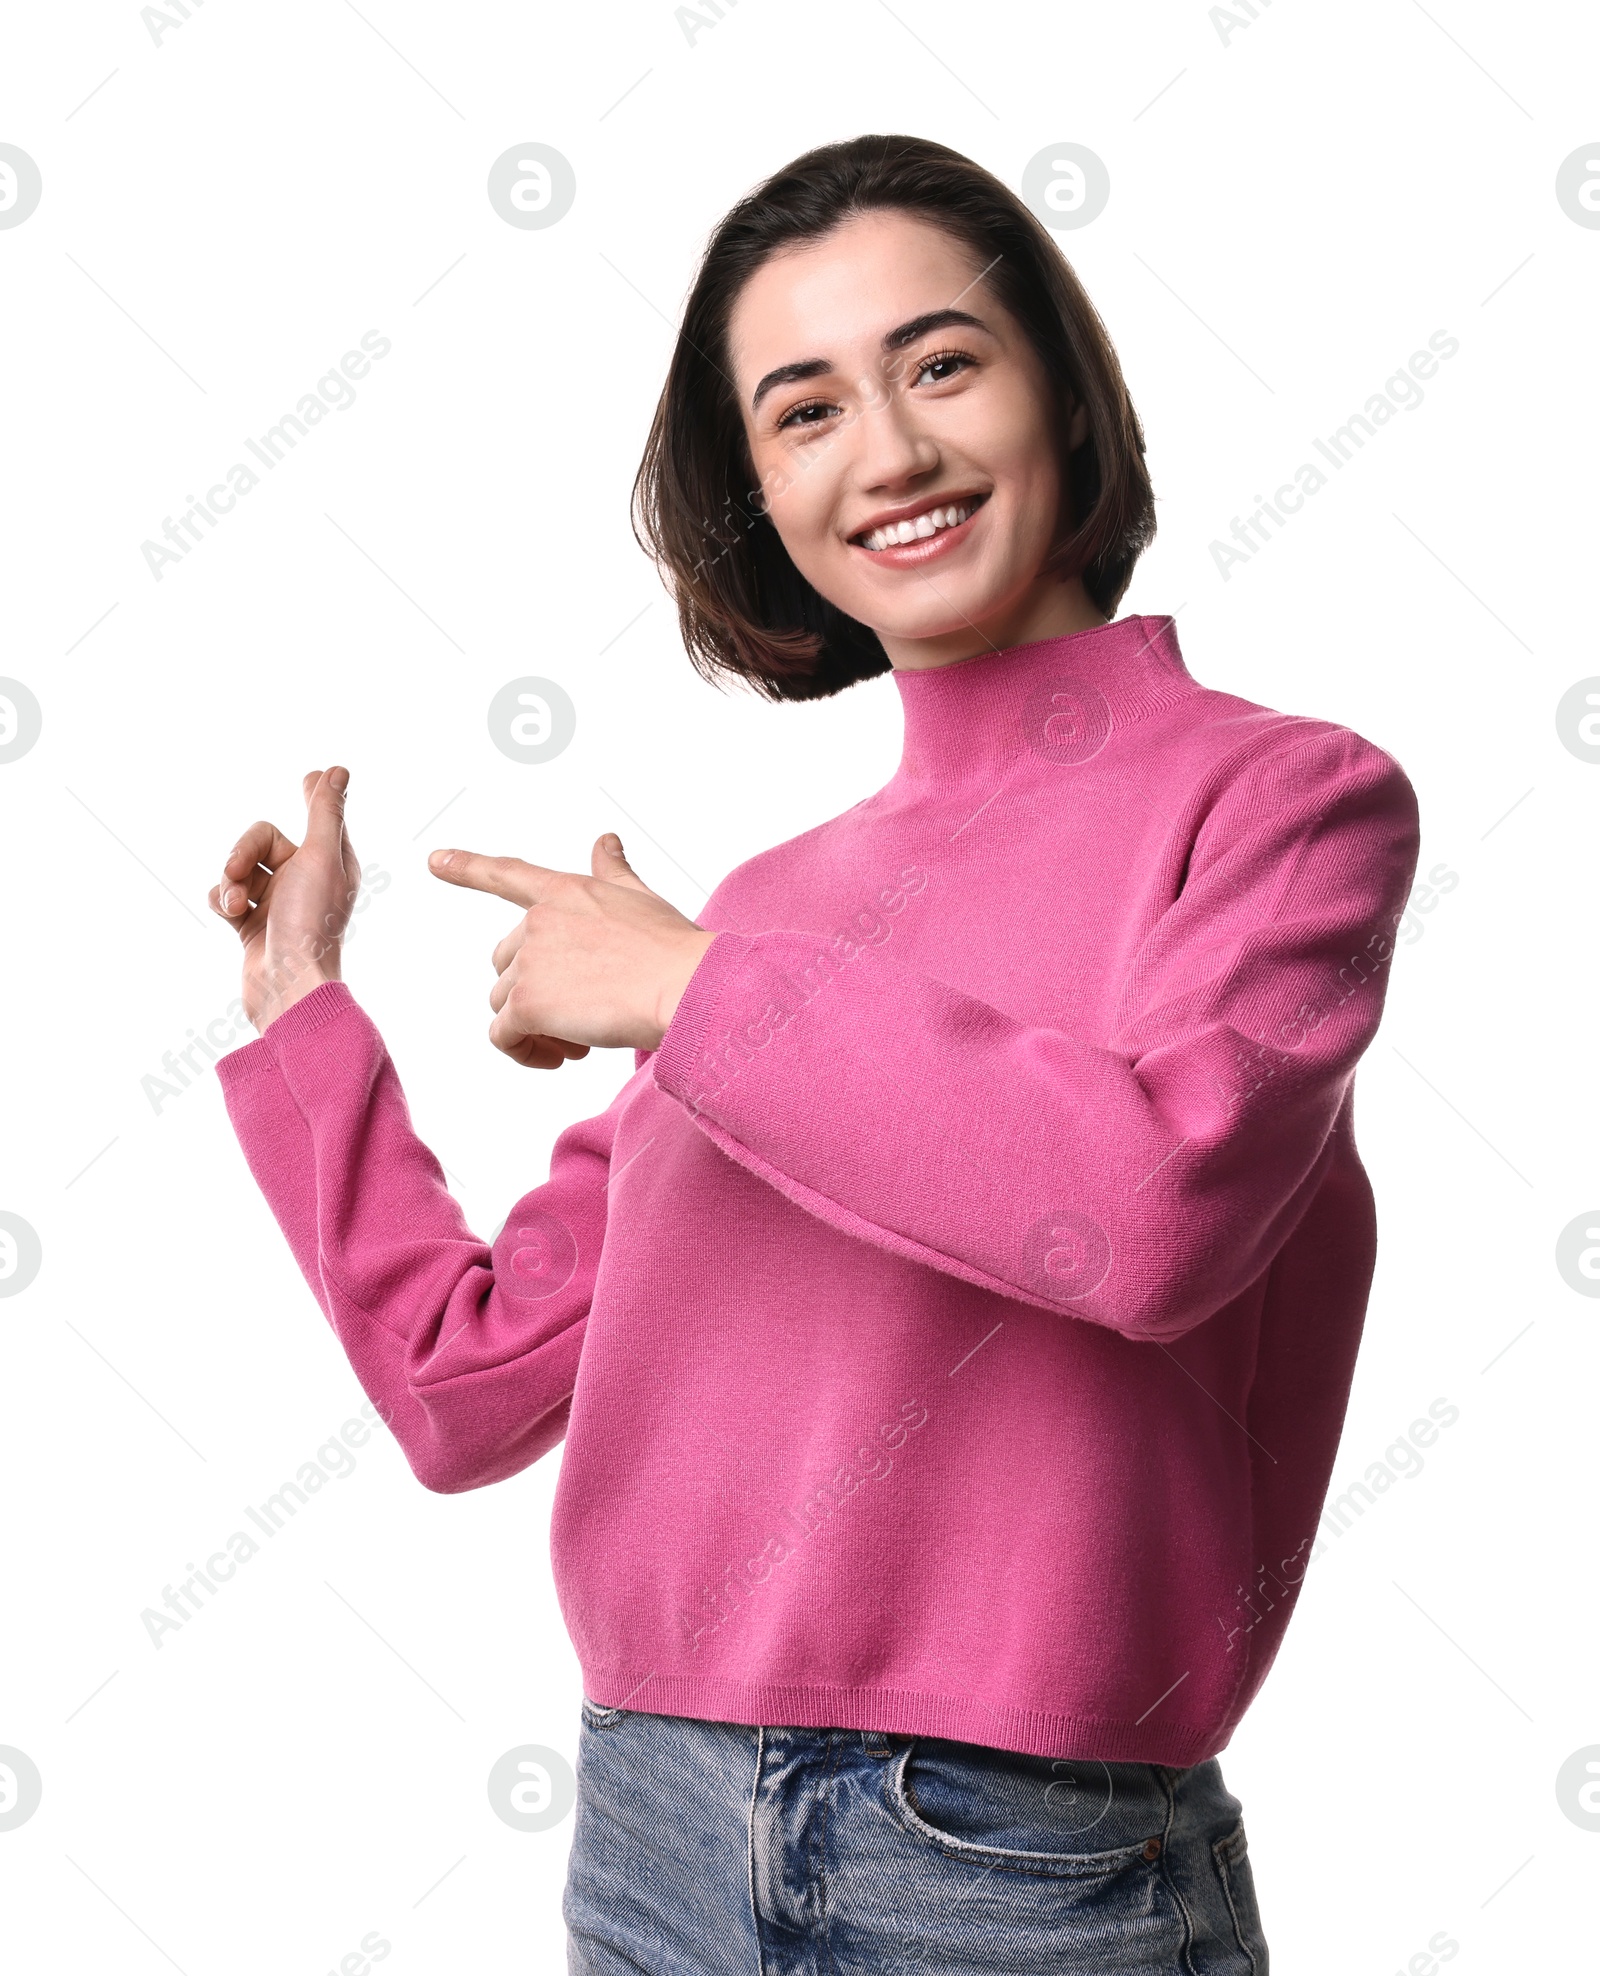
(931, 521)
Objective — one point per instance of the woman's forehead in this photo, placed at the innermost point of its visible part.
(841, 295)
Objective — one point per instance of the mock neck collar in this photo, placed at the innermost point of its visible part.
(1056, 698)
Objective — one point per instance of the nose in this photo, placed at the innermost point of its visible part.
(895, 451)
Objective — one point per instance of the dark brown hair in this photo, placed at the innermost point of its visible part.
(744, 609)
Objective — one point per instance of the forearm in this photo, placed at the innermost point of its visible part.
(1139, 1177)
(469, 1350)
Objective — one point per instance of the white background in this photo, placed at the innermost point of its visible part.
(1296, 206)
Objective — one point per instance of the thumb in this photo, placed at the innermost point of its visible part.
(325, 809)
(607, 861)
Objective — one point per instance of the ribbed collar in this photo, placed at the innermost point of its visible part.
(1058, 698)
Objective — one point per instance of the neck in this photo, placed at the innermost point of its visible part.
(1054, 701)
(1049, 608)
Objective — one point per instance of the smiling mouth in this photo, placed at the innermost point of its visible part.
(920, 528)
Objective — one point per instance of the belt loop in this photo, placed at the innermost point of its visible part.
(875, 1742)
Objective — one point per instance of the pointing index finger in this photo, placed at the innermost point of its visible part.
(507, 878)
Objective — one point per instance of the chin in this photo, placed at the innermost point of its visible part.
(925, 612)
(943, 622)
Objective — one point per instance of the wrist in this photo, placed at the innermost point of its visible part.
(305, 982)
(680, 974)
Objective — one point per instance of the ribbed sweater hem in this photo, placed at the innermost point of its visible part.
(908, 1712)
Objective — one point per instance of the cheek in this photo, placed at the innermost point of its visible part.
(771, 479)
(800, 506)
(1018, 445)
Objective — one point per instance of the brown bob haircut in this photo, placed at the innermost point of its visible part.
(744, 609)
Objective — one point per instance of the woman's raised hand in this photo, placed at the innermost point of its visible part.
(599, 961)
(291, 902)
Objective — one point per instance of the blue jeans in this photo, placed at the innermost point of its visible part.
(709, 1848)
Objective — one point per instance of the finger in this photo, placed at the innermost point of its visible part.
(325, 810)
(507, 878)
(510, 1032)
(546, 1052)
(510, 946)
(608, 861)
(236, 899)
(244, 912)
(532, 1051)
(262, 844)
(500, 993)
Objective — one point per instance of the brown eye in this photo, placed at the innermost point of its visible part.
(946, 363)
(803, 415)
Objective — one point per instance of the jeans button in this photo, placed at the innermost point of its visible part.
(1151, 1848)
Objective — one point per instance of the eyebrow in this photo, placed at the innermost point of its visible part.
(896, 339)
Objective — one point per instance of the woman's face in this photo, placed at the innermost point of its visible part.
(900, 424)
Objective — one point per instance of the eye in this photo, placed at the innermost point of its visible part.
(806, 414)
(943, 365)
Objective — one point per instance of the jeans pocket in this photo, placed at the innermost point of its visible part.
(1084, 1819)
(1232, 1855)
(596, 1717)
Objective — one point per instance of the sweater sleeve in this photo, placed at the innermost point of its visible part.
(469, 1350)
(1139, 1182)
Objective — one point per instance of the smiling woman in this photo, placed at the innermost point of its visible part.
(879, 334)
(943, 410)
(1010, 1110)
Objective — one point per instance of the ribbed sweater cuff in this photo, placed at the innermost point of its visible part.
(327, 1000)
(680, 1048)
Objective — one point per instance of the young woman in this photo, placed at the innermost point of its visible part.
(952, 1318)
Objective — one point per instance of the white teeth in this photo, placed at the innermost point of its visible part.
(921, 528)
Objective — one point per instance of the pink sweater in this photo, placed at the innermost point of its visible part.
(951, 1324)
